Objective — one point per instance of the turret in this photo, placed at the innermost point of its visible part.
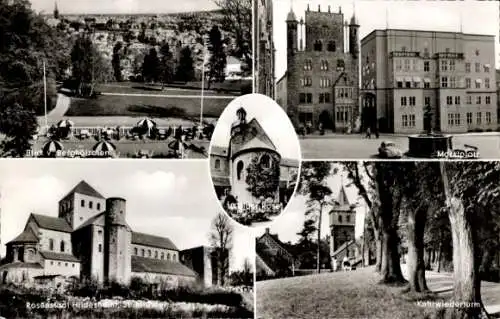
(240, 122)
(117, 239)
(353, 37)
(56, 11)
(291, 30)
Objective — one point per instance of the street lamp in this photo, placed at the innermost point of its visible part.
(203, 82)
(45, 96)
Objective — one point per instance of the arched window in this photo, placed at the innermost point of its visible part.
(239, 169)
(174, 257)
(340, 218)
(149, 252)
(143, 252)
(265, 161)
(168, 256)
(156, 254)
(318, 45)
(51, 244)
(332, 47)
(217, 164)
(62, 246)
(136, 252)
(162, 256)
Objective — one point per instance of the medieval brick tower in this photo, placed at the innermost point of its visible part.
(118, 236)
(342, 222)
(321, 85)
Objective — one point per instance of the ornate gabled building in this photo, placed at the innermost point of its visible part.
(249, 143)
(91, 239)
(321, 83)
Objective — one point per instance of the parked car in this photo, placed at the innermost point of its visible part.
(389, 149)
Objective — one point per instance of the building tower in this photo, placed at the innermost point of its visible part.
(249, 145)
(56, 11)
(342, 222)
(354, 37)
(291, 31)
(117, 242)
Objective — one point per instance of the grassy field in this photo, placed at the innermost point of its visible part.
(352, 295)
(146, 106)
(194, 89)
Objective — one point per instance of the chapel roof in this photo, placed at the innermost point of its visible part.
(52, 223)
(150, 265)
(152, 241)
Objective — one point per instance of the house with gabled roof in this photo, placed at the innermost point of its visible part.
(273, 257)
(249, 142)
(91, 239)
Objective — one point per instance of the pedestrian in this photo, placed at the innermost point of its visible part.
(368, 132)
(321, 129)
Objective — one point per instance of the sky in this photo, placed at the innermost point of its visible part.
(122, 6)
(290, 222)
(159, 197)
(271, 117)
(480, 17)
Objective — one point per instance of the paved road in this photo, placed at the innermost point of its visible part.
(339, 146)
(442, 284)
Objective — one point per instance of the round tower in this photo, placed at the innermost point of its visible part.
(291, 31)
(117, 239)
(353, 37)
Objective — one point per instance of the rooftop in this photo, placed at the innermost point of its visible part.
(425, 31)
(152, 241)
(20, 265)
(58, 256)
(142, 264)
(26, 236)
(85, 189)
(52, 223)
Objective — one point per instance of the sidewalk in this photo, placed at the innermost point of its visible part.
(442, 284)
(382, 136)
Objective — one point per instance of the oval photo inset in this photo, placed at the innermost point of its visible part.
(254, 159)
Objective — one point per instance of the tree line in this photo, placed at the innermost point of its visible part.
(449, 207)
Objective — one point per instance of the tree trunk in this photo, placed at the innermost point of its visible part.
(467, 286)
(378, 251)
(415, 261)
(466, 282)
(390, 265)
(440, 253)
(318, 251)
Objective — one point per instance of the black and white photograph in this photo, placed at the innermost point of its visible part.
(254, 160)
(93, 239)
(365, 240)
(131, 78)
(384, 79)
